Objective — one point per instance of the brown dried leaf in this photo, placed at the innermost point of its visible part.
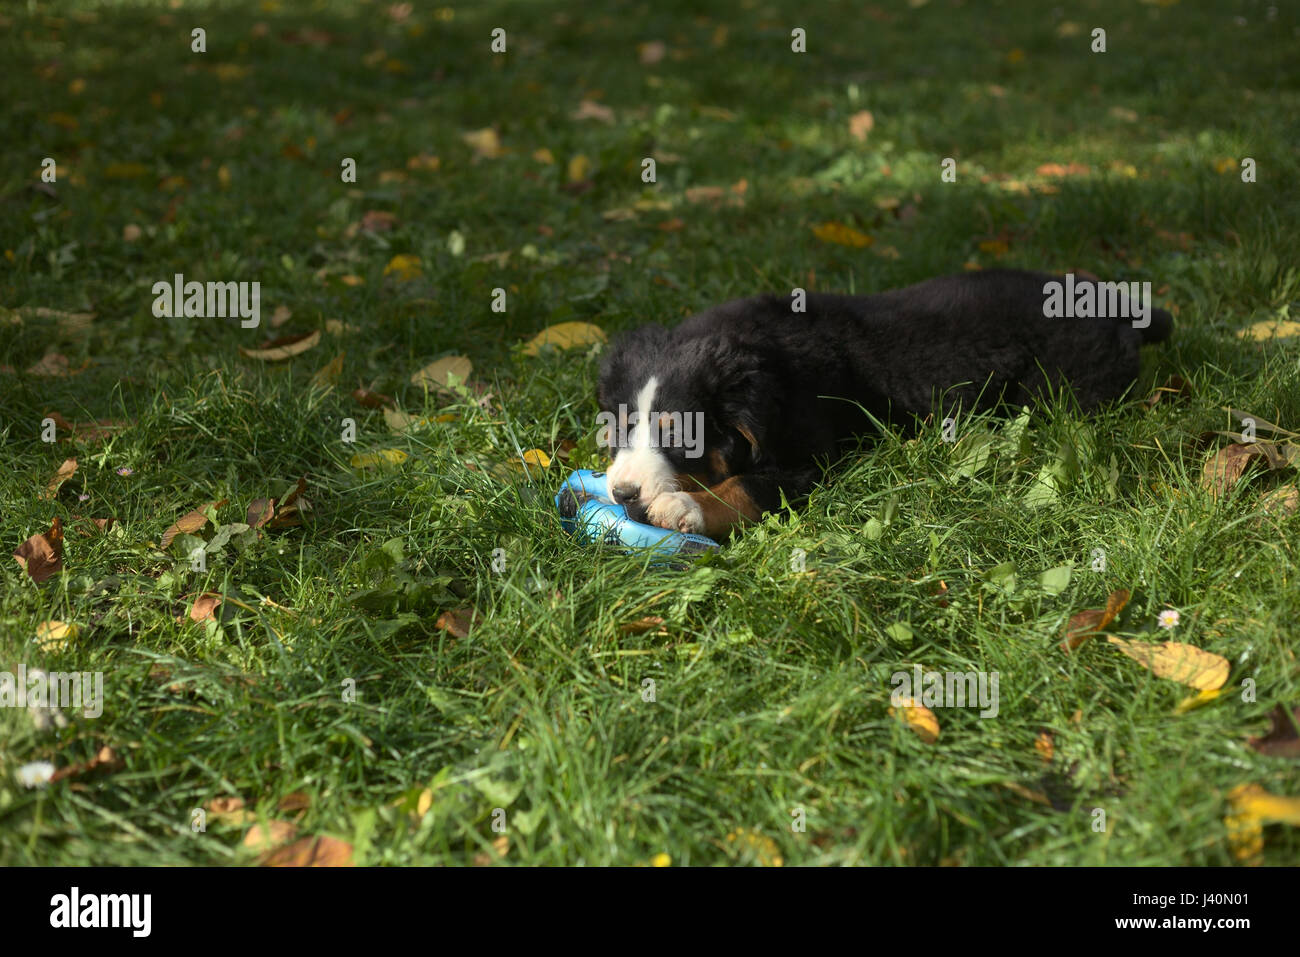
(270, 835)
(641, 625)
(105, 760)
(1224, 469)
(260, 511)
(373, 400)
(458, 621)
(189, 522)
(65, 472)
(311, 852)
(42, 554)
(285, 347)
(1085, 624)
(1282, 741)
(205, 606)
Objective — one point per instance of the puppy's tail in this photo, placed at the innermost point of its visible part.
(1159, 329)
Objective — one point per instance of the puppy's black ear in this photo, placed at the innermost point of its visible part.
(628, 352)
(745, 393)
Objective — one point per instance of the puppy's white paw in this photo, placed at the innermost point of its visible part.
(678, 512)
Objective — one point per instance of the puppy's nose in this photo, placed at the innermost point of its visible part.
(626, 493)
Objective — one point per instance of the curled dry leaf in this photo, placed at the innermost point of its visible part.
(1085, 624)
(65, 472)
(841, 235)
(919, 718)
(373, 400)
(1282, 740)
(1224, 469)
(205, 606)
(290, 509)
(443, 373)
(1186, 664)
(565, 335)
(265, 837)
(190, 522)
(42, 555)
(284, 347)
(311, 852)
(641, 625)
(860, 124)
(105, 760)
(260, 511)
(458, 621)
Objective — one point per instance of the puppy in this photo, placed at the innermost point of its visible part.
(712, 421)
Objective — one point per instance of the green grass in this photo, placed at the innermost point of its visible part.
(772, 686)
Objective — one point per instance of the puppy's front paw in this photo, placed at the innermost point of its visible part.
(678, 512)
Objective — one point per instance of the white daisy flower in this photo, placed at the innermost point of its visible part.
(35, 775)
(1168, 618)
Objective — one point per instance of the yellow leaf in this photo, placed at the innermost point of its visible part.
(579, 167)
(351, 280)
(400, 421)
(1271, 329)
(381, 459)
(407, 267)
(544, 155)
(565, 335)
(1185, 664)
(661, 860)
(841, 234)
(1198, 700)
(125, 170)
(1254, 800)
(485, 143)
(533, 458)
(443, 373)
(919, 718)
(55, 635)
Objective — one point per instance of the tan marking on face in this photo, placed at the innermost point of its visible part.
(749, 436)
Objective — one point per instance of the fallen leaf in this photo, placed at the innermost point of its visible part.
(578, 168)
(189, 522)
(373, 400)
(1282, 740)
(42, 554)
(1271, 329)
(1281, 502)
(405, 266)
(230, 810)
(65, 472)
(1252, 808)
(280, 316)
(1056, 170)
(842, 235)
(311, 852)
(205, 606)
(457, 621)
(1224, 469)
(443, 373)
(651, 52)
(1186, 664)
(564, 335)
(860, 124)
(260, 511)
(591, 110)
(289, 510)
(919, 718)
(54, 635)
(381, 459)
(326, 376)
(105, 760)
(485, 143)
(285, 347)
(641, 625)
(1198, 700)
(1085, 624)
(265, 837)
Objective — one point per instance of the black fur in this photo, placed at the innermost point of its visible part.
(793, 382)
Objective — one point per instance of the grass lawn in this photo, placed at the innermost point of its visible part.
(336, 688)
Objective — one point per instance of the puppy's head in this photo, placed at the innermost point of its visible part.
(682, 414)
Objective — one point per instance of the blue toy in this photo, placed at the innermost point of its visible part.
(587, 511)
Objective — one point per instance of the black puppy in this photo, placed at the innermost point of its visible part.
(710, 421)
